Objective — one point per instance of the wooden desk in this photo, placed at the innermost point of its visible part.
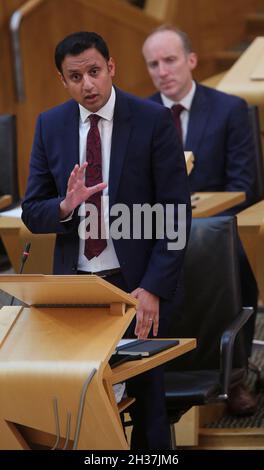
(14, 234)
(246, 77)
(189, 159)
(5, 201)
(209, 204)
(251, 230)
(50, 348)
(9, 232)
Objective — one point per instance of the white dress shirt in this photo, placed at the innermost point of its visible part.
(185, 114)
(107, 259)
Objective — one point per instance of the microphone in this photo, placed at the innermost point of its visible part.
(24, 257)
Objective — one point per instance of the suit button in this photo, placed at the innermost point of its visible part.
(74, 270)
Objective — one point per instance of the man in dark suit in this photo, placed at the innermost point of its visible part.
(215, 127)
(140, 162)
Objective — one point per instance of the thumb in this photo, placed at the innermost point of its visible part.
(135, 292)
(96, 188)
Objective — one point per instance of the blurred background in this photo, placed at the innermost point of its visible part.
(29, 31)
(221, 31)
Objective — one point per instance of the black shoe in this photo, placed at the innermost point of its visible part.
(241, 401)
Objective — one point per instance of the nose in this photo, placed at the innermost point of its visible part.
(87, 82)
(162, 69)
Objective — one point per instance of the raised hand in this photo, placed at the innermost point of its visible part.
(77, 192)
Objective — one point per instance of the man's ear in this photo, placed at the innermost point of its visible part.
(111, 67)
(192, 60)
(62, 79)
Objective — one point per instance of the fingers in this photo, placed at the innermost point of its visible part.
(77, 176)
(135, 293)
(147, 313)
(155, 325)
(96, 188)
(142, 330)
(77, 181)
(144, 324)
(72, 178)
(77, 192)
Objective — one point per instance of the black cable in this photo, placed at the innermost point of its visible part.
(24, 258)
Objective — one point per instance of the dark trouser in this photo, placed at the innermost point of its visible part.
(150, 422)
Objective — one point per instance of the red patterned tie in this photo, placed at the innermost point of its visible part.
(176, 110)
(93, 247)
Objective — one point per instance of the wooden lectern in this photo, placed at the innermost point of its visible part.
(56, 386)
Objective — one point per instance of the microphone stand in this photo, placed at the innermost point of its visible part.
(24, 258)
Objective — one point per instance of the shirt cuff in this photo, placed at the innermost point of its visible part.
(69, 217)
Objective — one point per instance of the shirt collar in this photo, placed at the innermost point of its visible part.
(186, 102)
(106, 112)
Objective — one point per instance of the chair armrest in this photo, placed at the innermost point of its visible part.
(227, 347)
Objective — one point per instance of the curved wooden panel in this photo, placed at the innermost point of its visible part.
(123, 27)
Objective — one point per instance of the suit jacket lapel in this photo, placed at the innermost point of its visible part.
(198, 120)
(120, 136)
(157, 98)
(70, 140)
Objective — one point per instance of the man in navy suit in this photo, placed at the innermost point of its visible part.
(215, 127)
(142, 162)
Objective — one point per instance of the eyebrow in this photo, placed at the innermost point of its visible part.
(77, 70)
(171, 56)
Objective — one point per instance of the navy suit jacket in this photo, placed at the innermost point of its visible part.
(219, 135)
(146, 166)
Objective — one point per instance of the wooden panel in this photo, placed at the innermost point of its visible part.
(7, 95)
(214, 80)
(189, 159)
(120, 24)
(53, 334)
(50, 353)
(126, 370)
(9, 232)
(239, 80)
(187, 429)
(206, 204)
(11, 438)
(63, 290)
(8, 317)
(125, 404)
(5, 201)
(163, 11)
(231, 439)
(124, 27)
(211, 25)
(15, 235)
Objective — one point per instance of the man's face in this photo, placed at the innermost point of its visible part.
(169, 66)
(88, 78)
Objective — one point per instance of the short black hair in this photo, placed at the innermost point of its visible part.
(76, 43)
